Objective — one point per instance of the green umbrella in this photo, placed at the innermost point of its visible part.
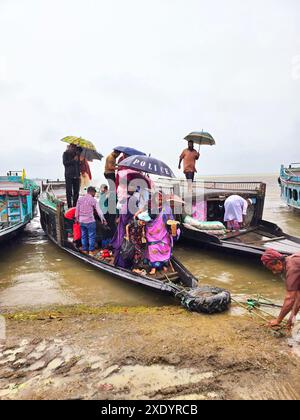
(201, 138)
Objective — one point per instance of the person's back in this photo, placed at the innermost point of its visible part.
(236, 199)
(72, 174)
(110, 166)
(235, 211)
(292, 272)
(85, 208)
(72, 168)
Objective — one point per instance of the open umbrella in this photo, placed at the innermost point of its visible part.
(129, 151)
(201, 138)
(88, 149)
(149, 165)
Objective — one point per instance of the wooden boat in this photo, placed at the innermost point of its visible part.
(289, 182)
(251, 241)
(18, 199)
(177, 282)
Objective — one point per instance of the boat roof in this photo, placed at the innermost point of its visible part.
(14, 186)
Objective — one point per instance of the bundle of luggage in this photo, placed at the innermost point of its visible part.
(211, 228)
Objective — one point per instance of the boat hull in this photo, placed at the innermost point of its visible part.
(10, 233)
(241, 244)
(50, 225)
(184, 286)
(289, 182)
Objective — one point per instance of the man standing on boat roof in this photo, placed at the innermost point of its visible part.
(189, 157)
(84, 214)
(289, 267)
(72, 174)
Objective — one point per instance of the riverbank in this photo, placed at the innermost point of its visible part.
(115, 352)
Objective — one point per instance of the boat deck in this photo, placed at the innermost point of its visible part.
(170, 275)
(256, 238)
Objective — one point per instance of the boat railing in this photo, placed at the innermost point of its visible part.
(245, 187)
(51, 195)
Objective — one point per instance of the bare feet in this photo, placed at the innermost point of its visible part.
(152, 272)
(273, 323)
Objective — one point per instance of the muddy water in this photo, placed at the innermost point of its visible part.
(34, 272)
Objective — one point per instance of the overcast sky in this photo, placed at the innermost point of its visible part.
(144, 74)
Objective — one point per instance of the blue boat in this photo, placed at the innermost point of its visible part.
(18, 199)
(289, 181)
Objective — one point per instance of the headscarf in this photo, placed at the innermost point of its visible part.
(270, 256)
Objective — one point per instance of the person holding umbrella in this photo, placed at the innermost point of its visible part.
(75, 160)
(189, 157)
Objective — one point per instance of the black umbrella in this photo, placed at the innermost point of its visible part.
(149, 165)
(90, 155)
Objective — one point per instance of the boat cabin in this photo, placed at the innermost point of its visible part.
(17, 202)
(203, 217)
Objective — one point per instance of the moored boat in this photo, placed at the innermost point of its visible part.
(177, 282)
(18, 199)
(289, 181)
(253, 240)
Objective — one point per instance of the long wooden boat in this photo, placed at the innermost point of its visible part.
(18, 199)
(289, 181)
(178, 282)
(251, 241)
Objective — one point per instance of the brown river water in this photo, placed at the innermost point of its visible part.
(33, 271)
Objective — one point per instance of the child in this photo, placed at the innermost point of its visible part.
(135, 233)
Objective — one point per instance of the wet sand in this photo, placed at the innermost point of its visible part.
(67, 323)
(144, 353)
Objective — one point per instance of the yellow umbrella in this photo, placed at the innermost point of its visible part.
(79, 141)
(89, 150)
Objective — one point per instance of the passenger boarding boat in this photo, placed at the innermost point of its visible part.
(289, 181)
(209, 198)
(18, 199)
(177, 282)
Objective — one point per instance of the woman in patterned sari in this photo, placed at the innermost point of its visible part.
(159, 239)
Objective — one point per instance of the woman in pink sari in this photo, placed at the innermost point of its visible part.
(159, 239)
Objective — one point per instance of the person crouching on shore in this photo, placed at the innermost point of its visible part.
(289, 267)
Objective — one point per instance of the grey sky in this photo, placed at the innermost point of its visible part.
(144, 74)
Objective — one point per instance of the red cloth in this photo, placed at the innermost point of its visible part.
(270, 256)
(70, 214)
(76, 232)
(85, 168)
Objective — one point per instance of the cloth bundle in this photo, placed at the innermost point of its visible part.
(212, 228)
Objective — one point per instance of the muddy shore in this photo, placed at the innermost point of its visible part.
(81, 352)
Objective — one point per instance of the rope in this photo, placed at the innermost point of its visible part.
(278, 332)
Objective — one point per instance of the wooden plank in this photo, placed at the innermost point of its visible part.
(239, 233)
(277, 238)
